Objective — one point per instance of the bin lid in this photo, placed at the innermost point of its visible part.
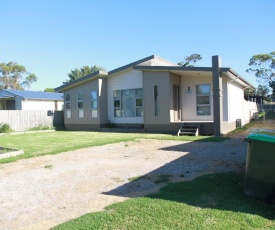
(267, 135)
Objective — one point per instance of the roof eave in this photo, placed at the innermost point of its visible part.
(168, 68)
(100, 73)
(15, 95)
(131, 64)
(238, 76)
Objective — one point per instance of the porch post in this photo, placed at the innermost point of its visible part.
(217, 95)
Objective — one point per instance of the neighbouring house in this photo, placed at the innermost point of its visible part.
(30, 100)
(159, 96)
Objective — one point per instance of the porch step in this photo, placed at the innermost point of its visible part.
(189, 129)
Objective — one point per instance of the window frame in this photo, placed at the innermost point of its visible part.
(68, 102)
(203, 95)
(94, 109)
(79, 100)
(156, 100)
(117, 100)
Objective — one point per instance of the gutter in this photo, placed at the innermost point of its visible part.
(238, 77)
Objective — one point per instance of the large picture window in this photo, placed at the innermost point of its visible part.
(94, 103)
(68, 105)
(128, 103)
(203, 99)
(80, 105)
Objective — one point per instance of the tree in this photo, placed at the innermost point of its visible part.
(263, 90)
(49, 90)
(263, 66)
(14, 76)
(82, 72)
(190, 61)
(272, 86)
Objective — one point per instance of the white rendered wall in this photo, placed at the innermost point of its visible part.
(158, 62)
(235, 102)
(40, 105)
(128, 79)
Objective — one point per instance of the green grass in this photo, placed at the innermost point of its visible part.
(244, 128)
(40, 127)
(5, 150)
(44, 143)
(209, 202)
(136, 178)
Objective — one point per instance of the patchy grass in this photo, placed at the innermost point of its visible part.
(241, 130)
(5, 150)
(40, 127)
(48, 166)
(209, 202)
(45, 143)
(165, 178)
(136, 178)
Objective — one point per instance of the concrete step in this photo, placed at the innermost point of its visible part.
(189, 129)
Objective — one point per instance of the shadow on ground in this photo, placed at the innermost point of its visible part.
(216, 191)
(201, 158)
(222, 190)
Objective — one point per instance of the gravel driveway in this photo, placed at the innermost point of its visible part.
(42, 192)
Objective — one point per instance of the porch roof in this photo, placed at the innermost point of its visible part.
(229, 72)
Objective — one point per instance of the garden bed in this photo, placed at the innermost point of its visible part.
(8, 152)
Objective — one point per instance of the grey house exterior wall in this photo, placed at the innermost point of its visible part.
(164, 81)
(88, 122)
(154, 123)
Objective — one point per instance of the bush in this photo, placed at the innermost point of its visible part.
(40, 127)
(5, 128)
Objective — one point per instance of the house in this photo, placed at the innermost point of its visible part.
(30, 100)
(159, 96)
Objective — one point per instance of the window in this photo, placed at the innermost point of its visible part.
(156, 102)
(68, 105)
(203, 99)
(128, 103)
(94, 103)
(80, 105)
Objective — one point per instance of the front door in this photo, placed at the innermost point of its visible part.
(176, 102)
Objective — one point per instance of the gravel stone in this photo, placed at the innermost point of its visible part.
(39, 193)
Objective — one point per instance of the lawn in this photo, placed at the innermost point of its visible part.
(44, 143)
(209, 202)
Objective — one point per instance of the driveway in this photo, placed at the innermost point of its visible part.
(41, 192)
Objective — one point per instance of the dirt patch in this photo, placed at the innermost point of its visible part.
(42, 192)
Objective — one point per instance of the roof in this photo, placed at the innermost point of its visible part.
(38, 95)
(229, 72)
(102, 73)
(81, 80)
(226, 70)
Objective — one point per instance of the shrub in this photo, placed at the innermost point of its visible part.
(5, 128)
(40, 127)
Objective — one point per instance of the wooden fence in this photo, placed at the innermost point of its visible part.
(21, 120)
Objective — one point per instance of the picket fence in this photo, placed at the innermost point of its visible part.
(21, 120)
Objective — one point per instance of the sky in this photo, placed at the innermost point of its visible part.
(52, 37)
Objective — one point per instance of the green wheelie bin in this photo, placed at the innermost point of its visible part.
(260, 165)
